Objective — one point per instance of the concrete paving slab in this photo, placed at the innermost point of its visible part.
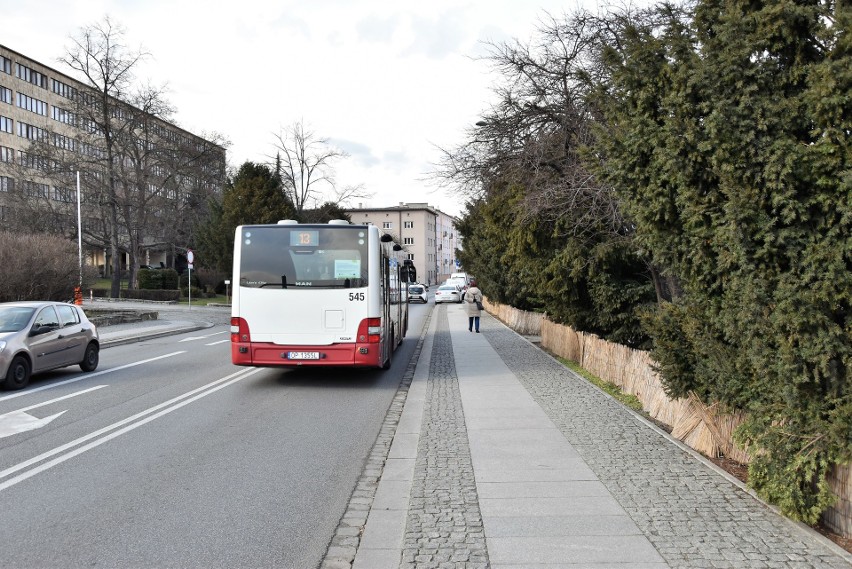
(564, 489)
(544, 451)
(560, 526)
(489, 422)
(399, 469)
(585, 549)
(583, 565)
(542, 507)
(384, 529)
(516, 463)
(577, 471)
(404, 445)
(376, 559)
(392, 495)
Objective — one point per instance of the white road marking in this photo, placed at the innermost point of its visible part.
(63, 398)
(19, 421)
(86, 376)
(193, 338)
(127, 425)
(219, 342)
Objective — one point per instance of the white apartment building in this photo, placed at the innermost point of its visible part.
(428, 236)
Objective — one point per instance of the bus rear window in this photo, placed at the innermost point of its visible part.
(300, 257)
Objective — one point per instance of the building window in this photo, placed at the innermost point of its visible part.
(5, 95)
(410, 257)
(36, 190)
(30, 131)
(5, 65)
(408, 224)
(387, 225)
(31, 75)
(62, 141)
(62, 89)
(32, 104)
(6, 124)
(64, 195)
(4, 213)
(6, 154)
(7, 184)
(63, 116)
(408, 241)
(33, 161)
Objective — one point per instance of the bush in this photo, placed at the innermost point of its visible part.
(170, 279)
(40, 267)
(196, 292)
(154, 295)
(184, 281)
(210, 279)
(150, 279)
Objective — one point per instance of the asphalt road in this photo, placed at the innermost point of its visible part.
(169, 456)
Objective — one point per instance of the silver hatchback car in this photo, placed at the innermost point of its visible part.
(41, 336)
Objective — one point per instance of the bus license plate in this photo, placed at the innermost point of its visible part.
(303, 356)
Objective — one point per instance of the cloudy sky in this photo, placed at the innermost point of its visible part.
(389, 82)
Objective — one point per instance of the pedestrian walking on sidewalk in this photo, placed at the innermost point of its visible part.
(473, 300)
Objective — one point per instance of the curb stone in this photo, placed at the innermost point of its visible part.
(347, 537)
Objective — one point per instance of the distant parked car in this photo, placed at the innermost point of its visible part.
(417, 293)
(41, 336)
(458, 282)
(447, 293)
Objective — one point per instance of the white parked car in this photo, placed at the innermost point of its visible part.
(447, 293)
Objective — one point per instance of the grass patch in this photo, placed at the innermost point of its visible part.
(219, 299)
(627, 399)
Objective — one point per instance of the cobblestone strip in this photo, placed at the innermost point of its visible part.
(444, 528)
(347, 537)
(692, 515)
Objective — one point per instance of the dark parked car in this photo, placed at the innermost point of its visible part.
(41, 336)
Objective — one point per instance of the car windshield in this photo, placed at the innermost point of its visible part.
(15, 318)
(449, 289)
(415, 289)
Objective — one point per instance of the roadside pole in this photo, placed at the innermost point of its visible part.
(190, 257)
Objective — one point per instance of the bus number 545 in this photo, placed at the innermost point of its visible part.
(356, 296)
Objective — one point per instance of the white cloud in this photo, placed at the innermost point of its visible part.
(387, 81)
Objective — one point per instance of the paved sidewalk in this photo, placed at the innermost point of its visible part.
(501, 457)
(172, 319)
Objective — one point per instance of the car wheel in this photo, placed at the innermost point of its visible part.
(18, 375)
(90, 358)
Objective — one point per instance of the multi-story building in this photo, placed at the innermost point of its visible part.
(48, 142)
(427, 234)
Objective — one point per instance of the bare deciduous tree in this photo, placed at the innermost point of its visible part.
(106, 65)
(535, 133)
(305, 163)
(144, 183)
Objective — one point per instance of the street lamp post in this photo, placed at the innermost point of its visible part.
(78, 291)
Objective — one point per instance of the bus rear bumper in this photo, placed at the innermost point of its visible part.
(335, 355)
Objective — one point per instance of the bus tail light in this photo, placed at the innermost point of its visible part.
(239, 330)
(370, 331)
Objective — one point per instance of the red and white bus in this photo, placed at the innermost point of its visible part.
(317, 295)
